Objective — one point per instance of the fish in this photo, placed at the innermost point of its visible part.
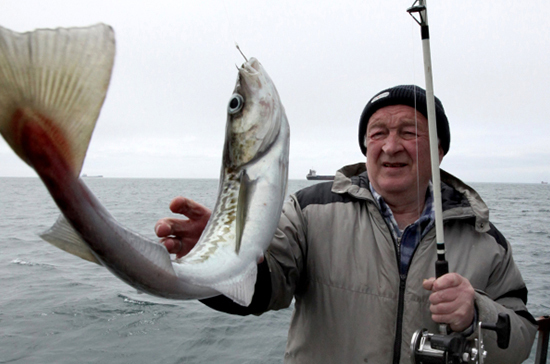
(53, 83)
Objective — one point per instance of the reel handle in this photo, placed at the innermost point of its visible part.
(502, 328)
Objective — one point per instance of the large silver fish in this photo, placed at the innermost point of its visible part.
(52, 86)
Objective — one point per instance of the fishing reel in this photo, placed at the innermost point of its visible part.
(455, 348)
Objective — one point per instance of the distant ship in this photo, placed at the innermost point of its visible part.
(312, 175)
(86, 176)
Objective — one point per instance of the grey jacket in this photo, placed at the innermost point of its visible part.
(333, 252)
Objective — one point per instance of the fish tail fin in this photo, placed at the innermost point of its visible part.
(54, 81)
(241, 288)
(63, 236)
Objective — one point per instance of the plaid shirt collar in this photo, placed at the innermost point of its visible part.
(427, 218)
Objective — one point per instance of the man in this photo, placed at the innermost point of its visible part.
(357, 254)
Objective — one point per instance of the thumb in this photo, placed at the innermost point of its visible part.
(428, 284)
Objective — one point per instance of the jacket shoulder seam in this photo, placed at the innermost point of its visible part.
(320, 194)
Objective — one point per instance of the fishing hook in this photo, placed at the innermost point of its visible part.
(242, 54)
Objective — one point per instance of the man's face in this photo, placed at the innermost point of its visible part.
(398, 152)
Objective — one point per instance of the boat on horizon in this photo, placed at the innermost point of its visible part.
(313, 176)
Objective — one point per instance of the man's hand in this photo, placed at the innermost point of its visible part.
(452, 300)
(179, 236)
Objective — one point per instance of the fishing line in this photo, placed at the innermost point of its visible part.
(231, 34)
(419, 210)
(230, 29)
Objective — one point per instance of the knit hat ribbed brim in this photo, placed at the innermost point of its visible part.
(409, 95)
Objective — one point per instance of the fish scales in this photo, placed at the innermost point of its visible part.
(222, 224)
(53, 83)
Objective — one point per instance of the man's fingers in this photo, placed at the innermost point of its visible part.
(458, 321)
(172, 245)
(445, 308)
(189, 208)
(452, 300)
(170, 227)
(179, 236)
(163, 228)
(180, 247)
(177, 227)
(446, 295)
(446, 281)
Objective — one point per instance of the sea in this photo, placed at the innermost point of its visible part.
(56, 308)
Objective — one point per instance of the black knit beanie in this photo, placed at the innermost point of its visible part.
(409, 95)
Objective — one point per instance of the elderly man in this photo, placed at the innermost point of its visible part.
(357, 254)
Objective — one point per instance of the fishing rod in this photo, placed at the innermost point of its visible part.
(419, 7)
(446, 347)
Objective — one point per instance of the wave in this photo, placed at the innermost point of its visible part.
(32, 264)
(147, 300)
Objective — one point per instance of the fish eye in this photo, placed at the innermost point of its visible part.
(236, 103)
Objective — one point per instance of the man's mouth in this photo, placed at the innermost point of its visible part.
(393, 165)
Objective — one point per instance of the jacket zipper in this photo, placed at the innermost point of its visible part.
(401, 303)
(400, 307)
(399, 328)
(401, 297)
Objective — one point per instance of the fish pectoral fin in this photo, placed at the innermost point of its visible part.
(240, 289)
(246, 187)
(63, 236)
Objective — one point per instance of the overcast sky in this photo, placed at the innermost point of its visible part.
(165, 111)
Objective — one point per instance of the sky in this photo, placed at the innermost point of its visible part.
(165, 111)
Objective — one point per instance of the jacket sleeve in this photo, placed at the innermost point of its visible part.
(286, 255)
(279, 273)
(506, 293)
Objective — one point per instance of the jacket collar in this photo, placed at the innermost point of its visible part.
(459, 200)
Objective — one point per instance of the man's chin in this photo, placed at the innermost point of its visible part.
(395, 186)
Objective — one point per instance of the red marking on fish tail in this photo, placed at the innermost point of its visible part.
(44, 146)
(40, 138)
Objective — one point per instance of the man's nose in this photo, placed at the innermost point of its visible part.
(392, 144)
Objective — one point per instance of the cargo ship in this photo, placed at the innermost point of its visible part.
(312, 175)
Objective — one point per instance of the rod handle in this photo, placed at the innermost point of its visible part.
(441, 268)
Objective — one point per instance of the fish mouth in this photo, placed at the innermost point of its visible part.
(252, 67)
(251, 78)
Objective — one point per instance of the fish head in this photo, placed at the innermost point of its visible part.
(254, 116)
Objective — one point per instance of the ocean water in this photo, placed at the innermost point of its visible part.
(56, 308)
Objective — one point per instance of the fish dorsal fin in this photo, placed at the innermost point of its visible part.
(63, 236)
(58, 78)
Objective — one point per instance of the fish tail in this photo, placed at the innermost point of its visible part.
(52, 85)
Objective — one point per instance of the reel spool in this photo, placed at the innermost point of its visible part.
(454, 348)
